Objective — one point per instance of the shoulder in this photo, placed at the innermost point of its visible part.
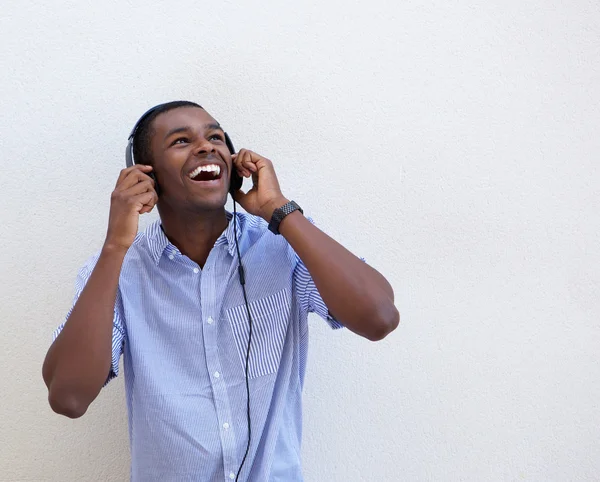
(88, 266)
(148, 245)
(141, 248)
(250, 226)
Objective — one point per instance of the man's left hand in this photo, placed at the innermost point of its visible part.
(265, 195)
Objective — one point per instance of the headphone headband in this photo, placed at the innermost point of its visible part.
(129, 159)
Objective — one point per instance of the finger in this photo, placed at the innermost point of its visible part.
(134, 177)
(241, 162)
(140, 187)
(145, 200)
(147, 208)
(125, 172)
(261, 161)
(153, 201)
(249, 164)
(235, 161)
(237, 166)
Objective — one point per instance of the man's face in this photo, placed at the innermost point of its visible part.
(191, 160)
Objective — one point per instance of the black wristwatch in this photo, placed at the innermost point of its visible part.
(281, 213)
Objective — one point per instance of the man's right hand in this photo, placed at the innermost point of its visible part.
(134, 194)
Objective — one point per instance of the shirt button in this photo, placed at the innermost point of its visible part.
(225, 425)
(196, 270)
(171, 256)
(210, 320)
(217, 374)
(232, 476)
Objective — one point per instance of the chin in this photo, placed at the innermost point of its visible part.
(209, 203)
(192, 202)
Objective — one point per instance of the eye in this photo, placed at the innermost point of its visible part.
(180, 140)
(215, 137)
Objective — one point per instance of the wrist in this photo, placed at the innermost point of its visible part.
(114, 249)
(271, 206)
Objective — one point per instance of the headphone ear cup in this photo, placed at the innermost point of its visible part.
(156, 186)
(235, 183)
(235, 180)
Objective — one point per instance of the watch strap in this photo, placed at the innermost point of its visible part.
(281, 213)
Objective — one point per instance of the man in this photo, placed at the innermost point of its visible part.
(170, 300)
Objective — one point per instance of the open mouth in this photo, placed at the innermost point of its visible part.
(209, 172)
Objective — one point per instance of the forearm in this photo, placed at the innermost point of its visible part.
(356, 294)
(78, 362)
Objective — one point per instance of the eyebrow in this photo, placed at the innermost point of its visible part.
(208, 127)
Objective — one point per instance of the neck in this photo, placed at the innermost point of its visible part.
(194, 233)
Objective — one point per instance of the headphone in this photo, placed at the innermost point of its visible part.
(235, 184)
(235, 181)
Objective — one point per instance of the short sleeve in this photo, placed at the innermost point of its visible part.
(118, 333)
(308, 295)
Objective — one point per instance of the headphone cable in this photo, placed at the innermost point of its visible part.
(243, 283)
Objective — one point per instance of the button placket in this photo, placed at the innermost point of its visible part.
(210, 307)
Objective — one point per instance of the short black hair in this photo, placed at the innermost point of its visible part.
(142, 152)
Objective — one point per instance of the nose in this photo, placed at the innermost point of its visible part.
(204, 147)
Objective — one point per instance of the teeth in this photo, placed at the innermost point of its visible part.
(209, 168)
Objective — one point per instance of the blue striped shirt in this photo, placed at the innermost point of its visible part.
(183, 334)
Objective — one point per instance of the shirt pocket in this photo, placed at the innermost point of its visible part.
(270, 316)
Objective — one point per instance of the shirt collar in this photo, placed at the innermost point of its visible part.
(228, 236)
(158, 241)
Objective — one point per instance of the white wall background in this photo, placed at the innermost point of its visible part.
(452, 143)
